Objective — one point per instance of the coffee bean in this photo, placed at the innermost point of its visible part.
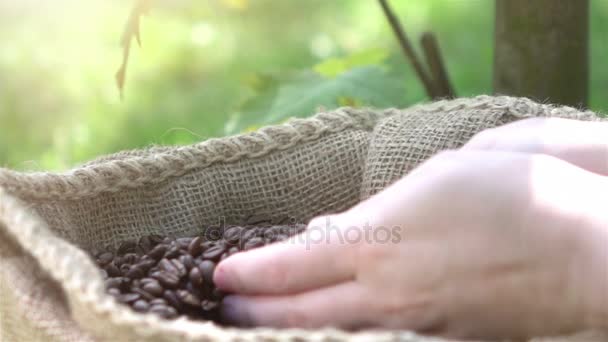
(233, 235)
(129, 298)
(195, 248)
(135, 272)
(253, 243)
(144, 294)
(146, 264)
(207, 268)
(164, 311)
(209, 305)
(179, 267)
(169, 280)
(183, 243)
(188, 298)
(113, 283)
(173, 252)
(105, 258)
(141, 306)
(196, 277)
(187, 261)
(214, 252)
(217, 294)
(112, 270)
(126, 247)
(158, 301)
(172, 299)
(113, 291)
(130, 258)
(167, 266)
(158, 252)
(153, 288)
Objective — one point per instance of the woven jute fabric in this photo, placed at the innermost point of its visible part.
(50, 290)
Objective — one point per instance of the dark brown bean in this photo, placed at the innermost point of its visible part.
(157, 252)
(214, 252)
(179, 267)
(146, 264)
(113, 283)
(153, 287)
(207, 268)
(173, 252)
(169, 280)
(187, 261)
(196, 277)
(141, 306)
(129, 297)
(158, 301)
(195, 248)
(183, 243)
(188, 298)
(233, 235)
(130, 258)
(105, 258)
(112, 270)
(164, 311)
(172, 299)
(144, 294)
(135, 272)
(254, 243)
(167, 266)
(113, 291)
(209, 305)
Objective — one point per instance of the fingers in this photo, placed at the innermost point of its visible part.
(584, 144)
(301, 263)
(344, 306)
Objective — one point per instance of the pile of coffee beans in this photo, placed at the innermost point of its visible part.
(174, 276)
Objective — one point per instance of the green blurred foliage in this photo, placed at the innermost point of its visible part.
(217, 67)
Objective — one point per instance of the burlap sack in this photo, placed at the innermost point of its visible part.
(50, 290)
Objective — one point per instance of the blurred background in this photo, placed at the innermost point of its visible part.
(218, 67)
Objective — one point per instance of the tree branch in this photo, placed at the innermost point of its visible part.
(407, 49)
(435, 63)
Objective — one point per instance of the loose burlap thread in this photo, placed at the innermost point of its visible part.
(50, 289)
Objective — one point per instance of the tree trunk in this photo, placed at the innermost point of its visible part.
(542, 50)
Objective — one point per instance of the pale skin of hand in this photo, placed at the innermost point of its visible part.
(505, 238)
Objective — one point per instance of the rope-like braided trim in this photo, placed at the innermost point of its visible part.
(79, 279)
(519, 107)
(131, 172)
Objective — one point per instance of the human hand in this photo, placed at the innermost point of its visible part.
(482, 244)
(582, 143)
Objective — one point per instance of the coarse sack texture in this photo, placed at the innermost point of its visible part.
(50, 290)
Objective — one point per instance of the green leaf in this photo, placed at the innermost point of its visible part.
(304, 94)
(333, 67)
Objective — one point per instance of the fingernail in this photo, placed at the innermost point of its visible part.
(234, 311)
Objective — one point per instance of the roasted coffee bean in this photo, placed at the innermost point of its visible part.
(158, 252)
(124, 268)
(113, 283)
(129, 298)
(141, 306)
(163, 311)
(187, 261)
(169, 280)
(181, 269)
(188, 298)
(113, 291)
(195, 247)
(126, 247)
(153, 287)
(112, 270)
(253, 243)
(173, 252)
(146, 264)
(105, 258)
(209, 305)
(214, 252)
(233, 235)
(183, 242)
(172, 299)
(196, 277)
(167, 266)
(144, 294)
(158, 301)
(217, 294)
(207, 268)
(135, 272)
